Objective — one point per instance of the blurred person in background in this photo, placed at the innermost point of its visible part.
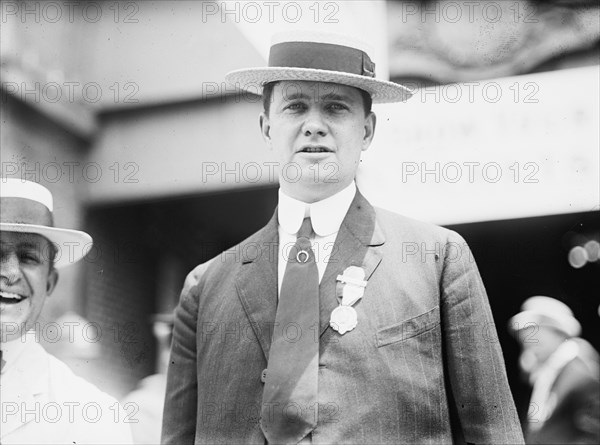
(563, 371)
(317, 329)
(41, 399)
(149, 396)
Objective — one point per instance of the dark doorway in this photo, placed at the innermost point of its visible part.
(143, 252)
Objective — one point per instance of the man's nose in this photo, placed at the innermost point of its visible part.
(314, 124)
(10, 269)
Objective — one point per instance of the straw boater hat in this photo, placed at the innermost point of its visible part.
(545, 311)
(319, 57)
(26, 207)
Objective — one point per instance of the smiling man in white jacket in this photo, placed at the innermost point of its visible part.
(41, 399)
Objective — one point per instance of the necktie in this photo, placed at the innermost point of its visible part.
(290, 408)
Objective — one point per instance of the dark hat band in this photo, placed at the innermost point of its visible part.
(321, 56)
(24, 211)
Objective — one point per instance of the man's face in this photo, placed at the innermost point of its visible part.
(538, 342)
(26, 280)
(318, 131)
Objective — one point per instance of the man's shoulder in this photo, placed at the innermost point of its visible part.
(65, 384)
(408, 229)
(195, 276)
(578, 383)
(223, 264)
(584, 368)
(95, 416)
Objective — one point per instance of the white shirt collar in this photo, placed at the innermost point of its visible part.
(326, 215)
(11, 350)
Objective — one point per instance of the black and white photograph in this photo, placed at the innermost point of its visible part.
(300, 222)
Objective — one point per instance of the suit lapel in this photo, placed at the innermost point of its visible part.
(257, 282)
(256, 285)
(355, 245)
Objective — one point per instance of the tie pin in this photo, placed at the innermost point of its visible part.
(300, 254)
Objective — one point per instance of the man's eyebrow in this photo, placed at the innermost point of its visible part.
(328, 96)
(22, 244)
(29, 245)
(336, 96)
(297, 95)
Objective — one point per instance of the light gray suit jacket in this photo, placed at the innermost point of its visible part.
(423, 364)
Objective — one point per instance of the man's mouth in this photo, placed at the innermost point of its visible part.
(11, 297)
(315, 149)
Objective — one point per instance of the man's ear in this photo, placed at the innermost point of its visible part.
(265, 127)
(51, 281)
(370, 122)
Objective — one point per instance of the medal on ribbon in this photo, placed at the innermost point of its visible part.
(344, 317)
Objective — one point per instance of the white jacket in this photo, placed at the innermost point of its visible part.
(43, 401)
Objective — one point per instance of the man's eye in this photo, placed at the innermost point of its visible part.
(296, 106)
(30, 258)
(336, 106)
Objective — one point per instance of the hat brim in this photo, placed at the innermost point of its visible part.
(568, 325)
(253, 80)
(73, 244)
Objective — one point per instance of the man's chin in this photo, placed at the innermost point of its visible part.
(14, 317)
(311, 191)
(8, 333)
(311, 174)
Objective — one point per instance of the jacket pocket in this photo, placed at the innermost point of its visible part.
(408, 328)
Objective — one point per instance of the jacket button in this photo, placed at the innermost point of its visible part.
(263, 376)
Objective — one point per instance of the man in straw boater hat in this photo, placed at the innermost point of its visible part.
(323, 329)
(42, 400)
(563, 370)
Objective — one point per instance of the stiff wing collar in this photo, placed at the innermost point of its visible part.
(326, 215)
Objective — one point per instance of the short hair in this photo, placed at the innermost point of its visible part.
(52, 251)
(267, 94)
